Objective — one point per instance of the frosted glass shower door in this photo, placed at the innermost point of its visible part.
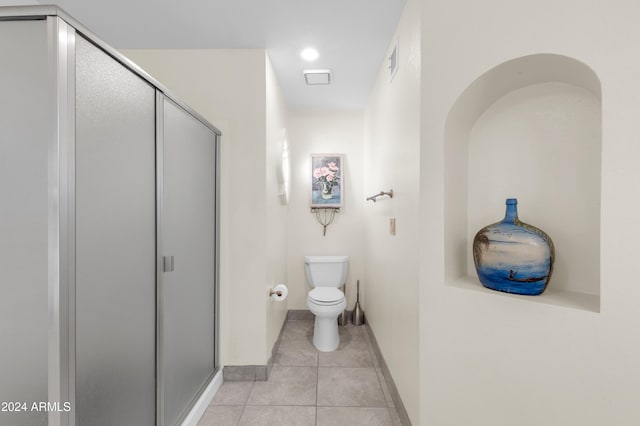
(187, 258)
(24, 130)
(115, 318)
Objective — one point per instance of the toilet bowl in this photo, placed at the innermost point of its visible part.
(325, 300)
(326, 306)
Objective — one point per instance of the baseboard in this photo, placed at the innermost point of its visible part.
(251, 373)
(198, 409)
(299, 315)
(393, 390)
(261, 372)
(276, 346)
(245, 373)
(304, 314)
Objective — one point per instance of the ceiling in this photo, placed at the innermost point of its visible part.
(352, 36)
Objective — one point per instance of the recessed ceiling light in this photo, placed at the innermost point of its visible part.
(309, 54)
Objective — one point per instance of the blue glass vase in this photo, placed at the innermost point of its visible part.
(512, 256)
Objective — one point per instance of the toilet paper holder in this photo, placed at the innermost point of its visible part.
(276, 292)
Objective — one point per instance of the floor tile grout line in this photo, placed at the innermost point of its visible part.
(280, 405)
(305, 405)
(240, 418)
(390, 404)
(317, 388)
(367, 350)
(382, 386)
(352, 406)
(246, 403)
(380, 377)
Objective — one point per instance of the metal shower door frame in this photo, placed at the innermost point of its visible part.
(61, 188)
(61, 220)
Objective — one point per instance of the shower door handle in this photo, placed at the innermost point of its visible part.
(167, 262)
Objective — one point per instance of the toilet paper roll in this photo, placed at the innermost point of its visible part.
(283, 292)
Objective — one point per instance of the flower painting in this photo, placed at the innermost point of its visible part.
(326, 180)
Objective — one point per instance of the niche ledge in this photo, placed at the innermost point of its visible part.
(529, 128)
(551, 296)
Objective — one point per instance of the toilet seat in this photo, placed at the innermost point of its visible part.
(326, 296)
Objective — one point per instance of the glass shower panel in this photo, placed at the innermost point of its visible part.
(115, 243)
(188, 238)
(25, 126)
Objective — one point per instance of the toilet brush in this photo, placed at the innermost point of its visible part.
(357, 317)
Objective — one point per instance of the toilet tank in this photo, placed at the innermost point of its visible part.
(326, 271)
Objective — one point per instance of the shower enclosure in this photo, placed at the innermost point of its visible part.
(108, 234)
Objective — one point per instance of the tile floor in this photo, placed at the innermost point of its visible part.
(308, 387)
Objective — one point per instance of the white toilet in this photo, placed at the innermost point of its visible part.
(326, 274)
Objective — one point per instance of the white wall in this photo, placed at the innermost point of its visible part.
(392, 161)
(228, 87)
(276, 212)
(492, 360)
(317, 132)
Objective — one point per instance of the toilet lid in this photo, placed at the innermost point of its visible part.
(326, 295)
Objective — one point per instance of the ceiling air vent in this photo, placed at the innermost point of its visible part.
(314, 77)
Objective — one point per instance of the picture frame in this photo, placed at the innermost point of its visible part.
(327, 181)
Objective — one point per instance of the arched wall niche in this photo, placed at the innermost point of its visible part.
(529, 128)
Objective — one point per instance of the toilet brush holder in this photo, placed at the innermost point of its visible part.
(357, 316)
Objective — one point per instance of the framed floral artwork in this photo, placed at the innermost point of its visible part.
(327, 181)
